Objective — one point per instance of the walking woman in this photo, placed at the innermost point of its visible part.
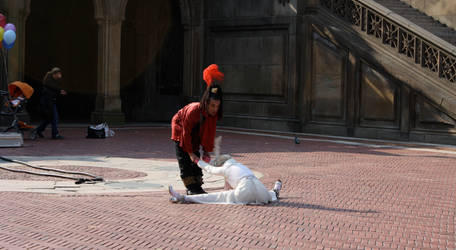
(48, 104)
(194, 126)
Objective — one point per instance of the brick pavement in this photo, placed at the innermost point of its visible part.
(335, 197)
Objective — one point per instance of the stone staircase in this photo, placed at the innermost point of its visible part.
(420, 19)
(414, 51)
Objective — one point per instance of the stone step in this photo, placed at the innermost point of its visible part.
(420, 19)
(10, 139)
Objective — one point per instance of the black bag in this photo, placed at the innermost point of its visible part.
(96, 133)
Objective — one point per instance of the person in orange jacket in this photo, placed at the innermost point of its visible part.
(193, 126)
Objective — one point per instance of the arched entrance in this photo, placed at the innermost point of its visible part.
(102, 47)
(63, 34)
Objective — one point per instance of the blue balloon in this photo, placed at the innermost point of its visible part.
(7, 46)
(9, 36)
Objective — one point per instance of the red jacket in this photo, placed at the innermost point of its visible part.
(183, 124)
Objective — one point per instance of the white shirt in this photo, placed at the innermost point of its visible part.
(232, 170)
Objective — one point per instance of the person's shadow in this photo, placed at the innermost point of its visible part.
(283, 203)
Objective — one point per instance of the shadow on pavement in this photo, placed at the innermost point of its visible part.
(292, 204)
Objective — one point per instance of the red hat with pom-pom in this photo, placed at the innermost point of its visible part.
(212, 73)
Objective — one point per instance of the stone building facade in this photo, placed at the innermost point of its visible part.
(290, 65)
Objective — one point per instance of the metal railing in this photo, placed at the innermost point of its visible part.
(437, 58)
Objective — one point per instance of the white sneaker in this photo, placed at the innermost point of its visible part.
(173, 199)
(175, 196)
(277, 187)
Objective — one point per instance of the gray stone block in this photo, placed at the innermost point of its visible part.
(11, 139)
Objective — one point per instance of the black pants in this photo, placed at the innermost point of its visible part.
(49, 114)
(190, 173)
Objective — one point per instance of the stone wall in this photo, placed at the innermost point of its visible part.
(254, 43)
(442, 10)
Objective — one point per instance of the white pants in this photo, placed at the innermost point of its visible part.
(250, 190)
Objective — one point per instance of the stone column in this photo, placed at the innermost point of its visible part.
(17, 14)
(109, 15)
(306, 9)
(191, 13)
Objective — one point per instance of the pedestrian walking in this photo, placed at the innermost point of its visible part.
(51, 90)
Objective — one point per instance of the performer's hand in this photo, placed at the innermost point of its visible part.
(206, 157)
(194, 158)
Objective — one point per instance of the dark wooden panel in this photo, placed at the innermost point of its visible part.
(253, 62)
(379, 98)
(328, 85)
(427, 116)
(255, 57)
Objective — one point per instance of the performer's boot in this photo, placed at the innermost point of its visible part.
(190, 183)
(199, 181)
(195, 189)
(193, 185)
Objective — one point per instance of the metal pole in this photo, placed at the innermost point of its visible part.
(4, 69)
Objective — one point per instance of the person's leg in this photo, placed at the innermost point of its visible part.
(186, 167)
(42, 126)
(251, 191)
(224, 197)
(55, 121)
(277, 188)
(197, 172)
(45, 110)
(38, 131)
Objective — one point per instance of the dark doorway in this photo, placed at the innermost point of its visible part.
(152, 60)
(64, 34)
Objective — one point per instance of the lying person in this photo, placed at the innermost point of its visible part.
(247, 189)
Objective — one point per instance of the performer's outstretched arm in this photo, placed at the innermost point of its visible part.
(211, 169)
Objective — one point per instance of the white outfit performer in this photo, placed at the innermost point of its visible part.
(247, 189)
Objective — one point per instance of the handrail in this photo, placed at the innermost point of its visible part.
(419, 45)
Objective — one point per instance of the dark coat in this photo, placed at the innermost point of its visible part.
(49, 94)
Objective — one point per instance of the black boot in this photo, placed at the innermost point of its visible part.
(35, 133)
(195, 189)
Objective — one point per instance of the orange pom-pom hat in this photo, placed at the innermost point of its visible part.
(212, 73)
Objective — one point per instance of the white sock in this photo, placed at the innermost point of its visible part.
(277, 187)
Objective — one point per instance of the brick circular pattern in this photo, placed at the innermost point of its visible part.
(105, 173)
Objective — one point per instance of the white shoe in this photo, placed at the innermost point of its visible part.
(175, 196)
(173, 199)
(277, 187)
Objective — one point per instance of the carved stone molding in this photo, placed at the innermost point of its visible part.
(112, 10)
(191, 13)
(420, 50)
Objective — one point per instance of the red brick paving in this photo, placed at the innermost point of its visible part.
(335, 197)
